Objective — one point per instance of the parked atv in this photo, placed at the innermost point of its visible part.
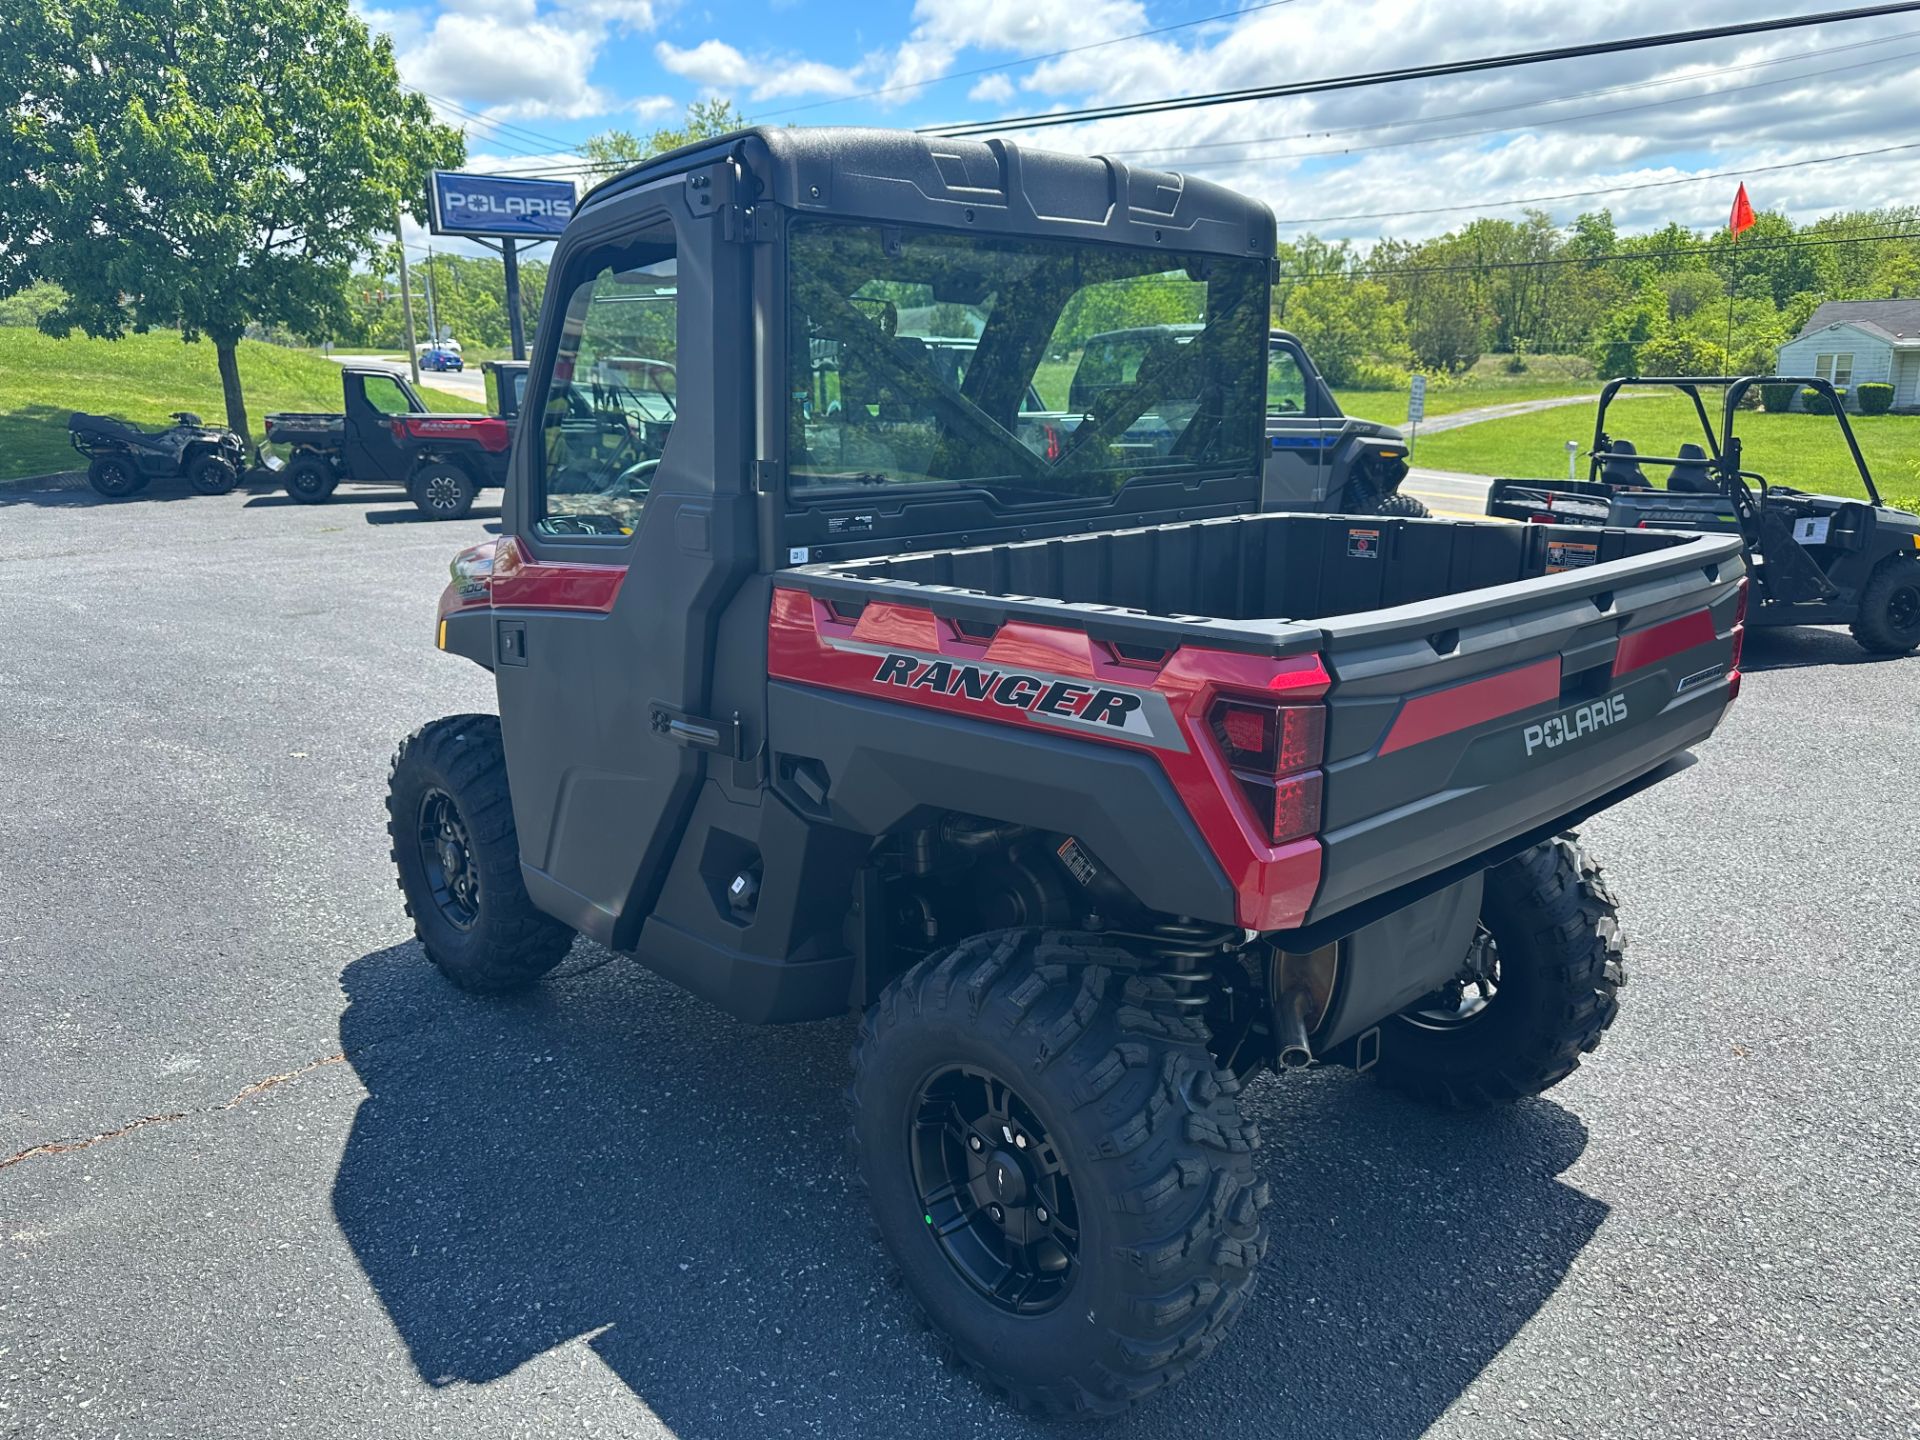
(123, 460)
(1092, 786)
(1815, 559)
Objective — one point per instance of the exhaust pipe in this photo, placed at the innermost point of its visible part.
(1290, 1042)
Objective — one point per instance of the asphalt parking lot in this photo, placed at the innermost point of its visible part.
(331, 1196)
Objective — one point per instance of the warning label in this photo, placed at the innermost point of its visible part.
(1571, 555)
(1363, 544)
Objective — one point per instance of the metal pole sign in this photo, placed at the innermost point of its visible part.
(499, 206)
(1416, 407)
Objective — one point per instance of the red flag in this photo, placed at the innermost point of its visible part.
(1741, 220)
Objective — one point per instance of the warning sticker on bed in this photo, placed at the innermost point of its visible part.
(1363, 544)
(1571, 555)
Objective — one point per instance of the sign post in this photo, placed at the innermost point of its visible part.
(1416, 410)
(506, 208)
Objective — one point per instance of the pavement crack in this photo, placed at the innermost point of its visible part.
(87, 1142)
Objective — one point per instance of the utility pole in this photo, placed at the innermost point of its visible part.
(433, 323)
(406, 296)
(516, 327)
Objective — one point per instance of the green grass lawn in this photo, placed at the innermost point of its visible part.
(1805, 451)
(1390, 406)
(141, 379)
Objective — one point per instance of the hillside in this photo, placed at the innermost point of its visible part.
(142, 379)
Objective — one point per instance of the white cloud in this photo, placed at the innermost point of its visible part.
(712, 63)
(804, 77)
(652, 107)
(993, 90)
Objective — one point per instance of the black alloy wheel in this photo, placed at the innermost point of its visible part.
(446, 855)
(993, 1190)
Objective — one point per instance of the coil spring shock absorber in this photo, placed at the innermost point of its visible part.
(1188, 951)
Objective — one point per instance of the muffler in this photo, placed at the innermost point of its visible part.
(1301, 989)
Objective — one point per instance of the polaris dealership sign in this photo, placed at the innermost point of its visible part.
(500, 206)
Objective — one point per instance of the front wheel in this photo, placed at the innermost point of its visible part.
(114, 476)
(450, 819)
(212, 475)
(442, 490)
(1538, 987)
(1889, 618)
(1057, 1166)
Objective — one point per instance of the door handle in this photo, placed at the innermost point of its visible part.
(696, 732)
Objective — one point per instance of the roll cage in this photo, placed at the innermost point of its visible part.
(1723, 447)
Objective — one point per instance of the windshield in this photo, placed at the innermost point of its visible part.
(1032, 368)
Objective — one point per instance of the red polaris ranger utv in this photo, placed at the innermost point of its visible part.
(1092, 788)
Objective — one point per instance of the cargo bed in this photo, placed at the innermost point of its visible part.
(1484, 682)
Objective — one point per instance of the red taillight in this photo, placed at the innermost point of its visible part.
(1053, 442)
(1275, 753)
(399, 428)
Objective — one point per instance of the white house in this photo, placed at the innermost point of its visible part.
(1856, 342)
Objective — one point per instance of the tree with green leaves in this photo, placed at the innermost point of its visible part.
(1354, 329)
(612, 151)
(171, 163)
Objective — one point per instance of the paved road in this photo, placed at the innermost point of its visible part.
(336, 1198)
(469, 384)
(1479, 413)
(1448, 492)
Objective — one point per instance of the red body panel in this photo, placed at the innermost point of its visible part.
(1460, 707)
(1654, 643)
(489, 432)
(495, 573)
(808, 643)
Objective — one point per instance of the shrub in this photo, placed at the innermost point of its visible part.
(1681, 355)
(1814, 402)
(1874, 398)
(1779, 398)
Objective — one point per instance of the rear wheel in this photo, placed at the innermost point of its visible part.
(212, 475)
(1889, 618)
(310, 480)
(114, 476)
(1539, 986)
(450, 819)
(1057, 1167)
(442, 490)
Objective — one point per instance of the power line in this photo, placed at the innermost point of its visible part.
(1024, 60)
(1442, 70)
(1603, 190)
(505, 135)
(1532, 104)
(1533, 124)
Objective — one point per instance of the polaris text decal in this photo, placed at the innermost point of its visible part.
(1143, 716)
(1571, 725)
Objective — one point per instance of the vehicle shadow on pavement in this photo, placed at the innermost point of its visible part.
(607, 1158)
(1797, 647)
(81, 496)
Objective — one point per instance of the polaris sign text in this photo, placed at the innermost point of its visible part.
(500, 206)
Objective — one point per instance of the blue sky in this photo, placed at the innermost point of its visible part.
(530, 79)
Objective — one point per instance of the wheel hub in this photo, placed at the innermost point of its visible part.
(447, 856)
(993, 1190)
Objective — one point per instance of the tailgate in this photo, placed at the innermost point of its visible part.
(1458, 724)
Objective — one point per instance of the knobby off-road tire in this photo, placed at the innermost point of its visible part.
(442, 490)
(451, 823)
(114, 476)
(1400, 503)
(212, 475)
(1561, 966)
(1889, 618)
(310, 480)
(1159, 1163)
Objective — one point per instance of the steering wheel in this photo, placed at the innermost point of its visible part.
(637, 478)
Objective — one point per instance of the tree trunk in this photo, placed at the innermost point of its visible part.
(230, 388)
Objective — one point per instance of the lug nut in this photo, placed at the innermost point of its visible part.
(996, 1214)
(1019, 1142)
(973, 1143)
(1041, 1214)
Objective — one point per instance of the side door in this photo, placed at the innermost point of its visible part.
(1300, 434)
(628, 538)
(374, 397)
